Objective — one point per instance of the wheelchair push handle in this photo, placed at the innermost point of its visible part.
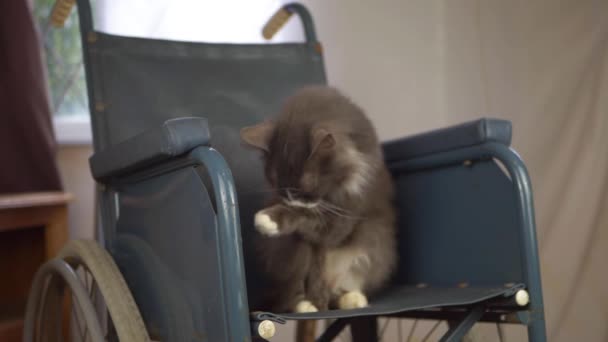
(61, 11)
(282, 16)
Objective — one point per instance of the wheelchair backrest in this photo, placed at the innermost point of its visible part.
(136, 84)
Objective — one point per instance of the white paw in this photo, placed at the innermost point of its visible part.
(352, 300)
(265, 225)
(306, 306)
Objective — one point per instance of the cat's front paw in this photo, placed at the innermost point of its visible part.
(305, 306)
(265, 225)
(352, 300)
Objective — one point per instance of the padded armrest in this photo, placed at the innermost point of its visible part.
(173, 138)
(450, 138)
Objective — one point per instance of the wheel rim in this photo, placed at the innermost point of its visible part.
(86, 274)
(43, 321)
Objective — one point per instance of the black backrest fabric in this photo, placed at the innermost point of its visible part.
(137, 84)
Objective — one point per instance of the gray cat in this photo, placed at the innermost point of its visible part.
(329, 234)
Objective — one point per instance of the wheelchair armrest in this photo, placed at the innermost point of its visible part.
(173, 138)
(450, 138)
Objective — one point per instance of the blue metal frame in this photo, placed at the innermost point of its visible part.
(525, 208)
(232, 284)
(457, 332)
(230, 239)
(309, 30)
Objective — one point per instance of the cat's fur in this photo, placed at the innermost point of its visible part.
(330, 230)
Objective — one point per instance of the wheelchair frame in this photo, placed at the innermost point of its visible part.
(198, 153)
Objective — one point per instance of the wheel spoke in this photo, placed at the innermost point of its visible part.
(428, 335)
(59, 314)
(399, 330)
(343, 335)
(88, 308)
(411, 334)
(90, 282)
(383, 329)
(93, 290)
(76, 318)
(501, 332)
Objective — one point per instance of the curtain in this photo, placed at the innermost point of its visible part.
(544, 66)
(27, 145)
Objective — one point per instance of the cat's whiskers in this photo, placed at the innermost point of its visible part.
(335, 210)
(331, 211)
(320, 217)
(333, 206)
(292, 202)
(299, 204)
(267, 191)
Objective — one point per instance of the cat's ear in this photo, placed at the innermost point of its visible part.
(259, 135)
(322, 140)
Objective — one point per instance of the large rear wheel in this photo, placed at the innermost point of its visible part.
(102, 305)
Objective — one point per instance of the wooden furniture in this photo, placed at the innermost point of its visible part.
(306, 331)
(33, 228)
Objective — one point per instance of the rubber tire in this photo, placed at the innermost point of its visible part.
(123, 311)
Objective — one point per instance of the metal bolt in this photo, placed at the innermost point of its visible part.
(319, 48)
(91, 37)
(100, 106)
(522, 298)
(266, 329)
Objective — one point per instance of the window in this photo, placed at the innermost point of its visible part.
(65, 70)
(236, 21)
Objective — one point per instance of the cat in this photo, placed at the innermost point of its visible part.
(328, 235)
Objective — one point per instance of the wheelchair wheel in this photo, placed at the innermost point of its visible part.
(98, 292)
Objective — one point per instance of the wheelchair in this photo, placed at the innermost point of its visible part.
(177, 193)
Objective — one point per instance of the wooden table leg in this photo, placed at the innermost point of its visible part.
(306, 331)
(56, 234)
(21, 215)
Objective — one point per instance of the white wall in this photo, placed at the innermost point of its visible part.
(74, 169)
(387, 55)
(542, 65)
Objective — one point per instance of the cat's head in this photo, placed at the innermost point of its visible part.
(312, 150)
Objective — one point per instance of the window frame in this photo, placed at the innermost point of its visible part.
(73, 130)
